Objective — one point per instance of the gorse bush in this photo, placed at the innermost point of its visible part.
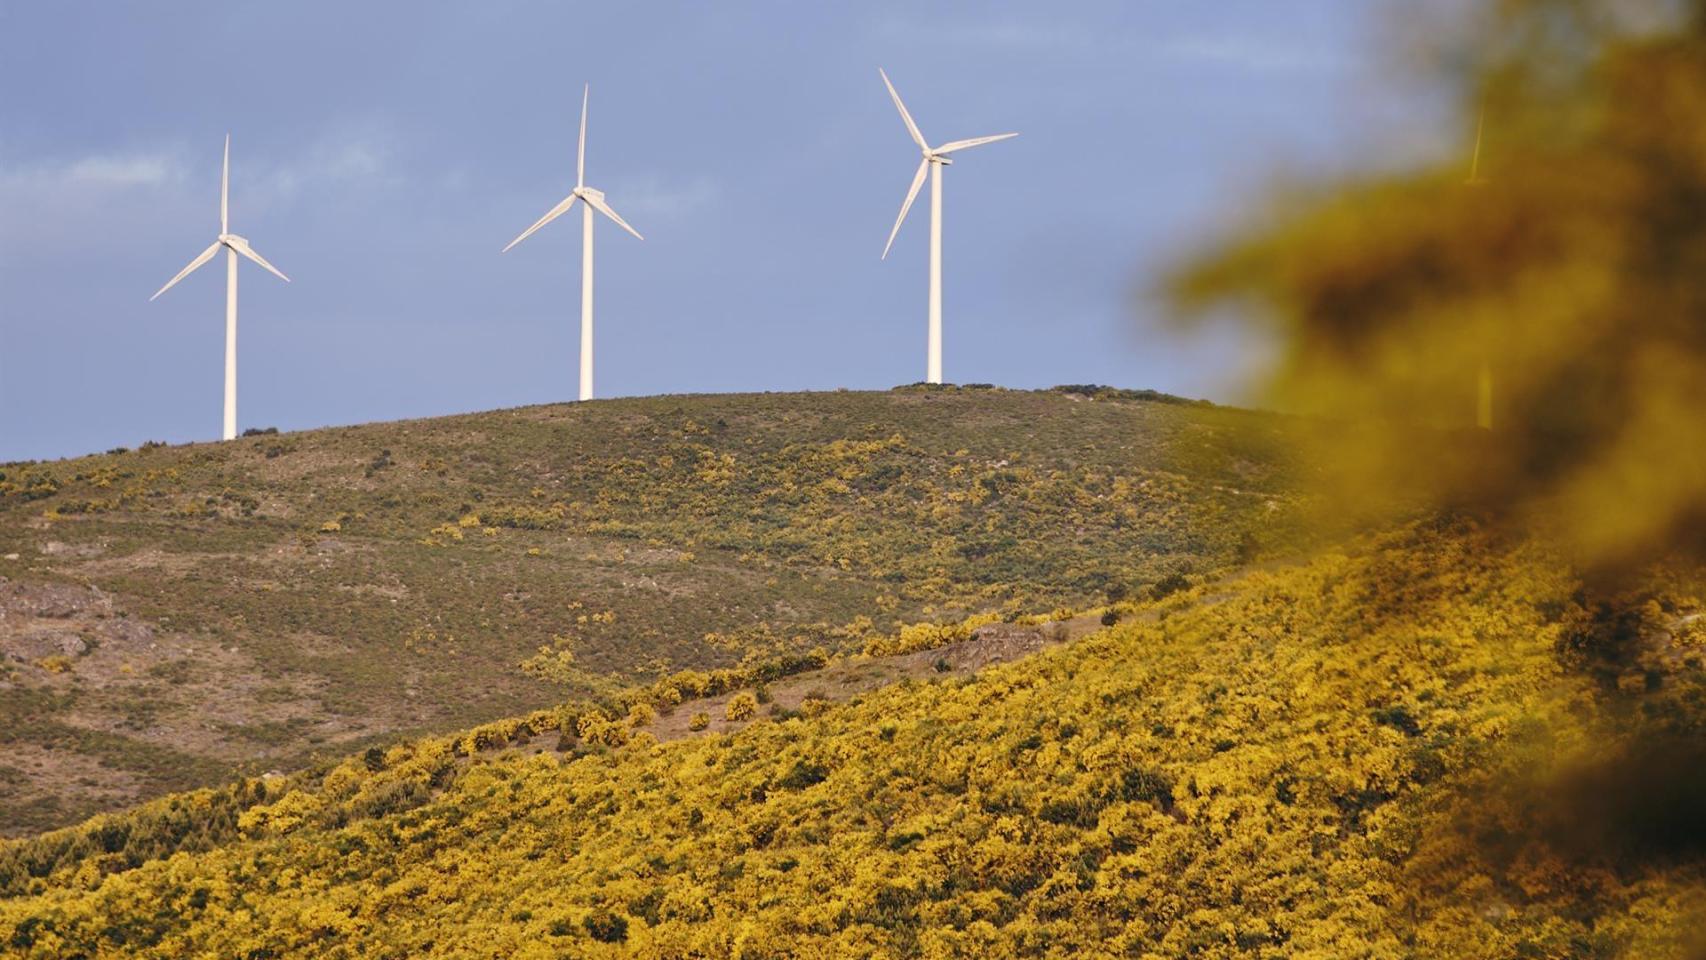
(742, 706)
(1193, 786)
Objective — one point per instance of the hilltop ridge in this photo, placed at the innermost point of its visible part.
(176, 616)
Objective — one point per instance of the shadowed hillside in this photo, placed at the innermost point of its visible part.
(176, 616)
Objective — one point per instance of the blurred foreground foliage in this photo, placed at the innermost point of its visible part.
(1568, 273)
(1573, 269)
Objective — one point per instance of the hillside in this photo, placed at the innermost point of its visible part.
(172, 617)
(1353, 756)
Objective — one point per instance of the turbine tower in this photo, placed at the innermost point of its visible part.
(234, 245)
(594, 201)
(935, 158)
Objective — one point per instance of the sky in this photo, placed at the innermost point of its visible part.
(383, 153)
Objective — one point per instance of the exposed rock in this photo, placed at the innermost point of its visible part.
(53, 600)
(34, 645)
(129, 632)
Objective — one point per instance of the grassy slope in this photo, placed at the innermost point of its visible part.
(1266, 770)
(287, 596)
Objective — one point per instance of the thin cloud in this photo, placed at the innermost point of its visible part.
(115, 192)
(327, 161)
(654, 196)
(1247, 53)
(1008, 34)
(1051, 34)
(76, 203)
(124, 171)
(333, 160)
(106, 171)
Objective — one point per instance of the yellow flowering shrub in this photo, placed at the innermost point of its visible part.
(742, 706)
(1311, 762)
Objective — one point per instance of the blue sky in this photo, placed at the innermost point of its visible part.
(384, 152)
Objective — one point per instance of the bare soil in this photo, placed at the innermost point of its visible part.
(843, 680)
(102, 708)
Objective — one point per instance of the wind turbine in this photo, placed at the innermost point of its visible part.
(1484, 376)
(234, 245)
(935, 158)
(594, 201)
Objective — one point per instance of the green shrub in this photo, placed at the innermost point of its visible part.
(606, 927)
(1167, 586)
(803, 775)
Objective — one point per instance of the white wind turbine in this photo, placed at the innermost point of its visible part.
(233, 245)
(594, 201)
(935, 158)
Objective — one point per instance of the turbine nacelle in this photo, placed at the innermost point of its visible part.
(230, 241)
(931, 155)
(591, 197)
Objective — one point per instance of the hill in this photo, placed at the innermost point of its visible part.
(172, 617)
(1354, 756)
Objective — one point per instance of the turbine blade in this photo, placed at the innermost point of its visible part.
(580, 161)
(911, 195)
(242, 246)
(911, 127)
(205, 256)
(225, 190)
(973, 142)
(554, 213)
(604, 208)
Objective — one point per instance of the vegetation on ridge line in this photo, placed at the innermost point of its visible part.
(281, 597)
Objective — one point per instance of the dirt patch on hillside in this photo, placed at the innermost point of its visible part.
(293, 461)
(54, 548)
(43, 780)
(843, 680)
(171, 563)
(99, 708)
